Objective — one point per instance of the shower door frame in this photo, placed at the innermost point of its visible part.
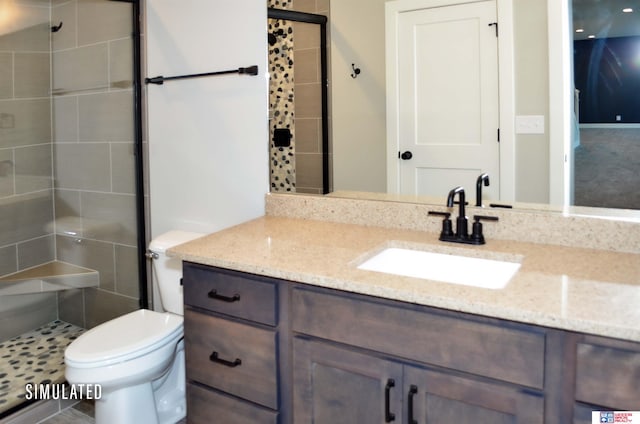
(138, 152)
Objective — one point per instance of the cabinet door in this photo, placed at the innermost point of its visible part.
(436, 397)
(582, 413)
(334, 385)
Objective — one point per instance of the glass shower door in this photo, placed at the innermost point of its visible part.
(69, 197)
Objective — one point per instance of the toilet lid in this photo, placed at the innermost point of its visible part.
(123, 338)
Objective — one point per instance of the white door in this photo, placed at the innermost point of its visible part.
(447, 104)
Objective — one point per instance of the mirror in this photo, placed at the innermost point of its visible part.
(358, 110)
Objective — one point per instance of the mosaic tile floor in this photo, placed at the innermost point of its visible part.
(33, 357)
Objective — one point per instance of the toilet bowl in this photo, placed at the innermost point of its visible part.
(138, 358)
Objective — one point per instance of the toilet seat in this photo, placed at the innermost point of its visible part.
(124, 338)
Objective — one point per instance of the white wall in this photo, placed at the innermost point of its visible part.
(358, 105)
(532, 98)
(208, 137)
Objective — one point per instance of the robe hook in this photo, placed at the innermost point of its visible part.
(356, 71)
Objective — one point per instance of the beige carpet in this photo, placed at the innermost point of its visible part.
(607, 168)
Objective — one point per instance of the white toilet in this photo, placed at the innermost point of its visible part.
(138, 358)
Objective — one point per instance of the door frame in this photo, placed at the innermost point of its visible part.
(506, 88)
(560, 104)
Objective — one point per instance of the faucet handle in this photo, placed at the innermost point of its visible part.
(438, 213)
(476, 235)
(478, 218)
(447, 227)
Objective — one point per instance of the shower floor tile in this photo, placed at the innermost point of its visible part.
(33, 357)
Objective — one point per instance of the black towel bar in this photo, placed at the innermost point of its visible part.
(250, 70)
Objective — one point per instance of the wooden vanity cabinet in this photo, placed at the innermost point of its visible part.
(314, 355)
(410, 365)
(338, 385)
(231, 346)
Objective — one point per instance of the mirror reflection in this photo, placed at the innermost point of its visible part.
(606, 129)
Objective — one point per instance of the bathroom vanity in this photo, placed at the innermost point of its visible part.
(282, 327)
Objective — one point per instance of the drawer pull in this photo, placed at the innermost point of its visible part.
(413, 390)
(231, 364)
(213, 294)
(388, 415)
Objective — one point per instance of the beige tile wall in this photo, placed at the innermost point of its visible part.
(26, 186)
(93, 154)
(66, 151)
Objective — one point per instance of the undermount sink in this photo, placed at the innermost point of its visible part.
(448, 268)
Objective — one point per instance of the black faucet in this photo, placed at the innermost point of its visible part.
(461, 234)
(483, 178)
(461, 222)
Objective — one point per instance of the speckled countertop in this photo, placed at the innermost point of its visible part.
(581, 289)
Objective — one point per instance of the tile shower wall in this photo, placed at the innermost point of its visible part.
(308, 98)
(93, 131)
(296, 99)
(26, 194)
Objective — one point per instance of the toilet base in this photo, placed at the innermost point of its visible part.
(129, 405)
(160, 401)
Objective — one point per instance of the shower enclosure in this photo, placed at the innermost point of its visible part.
(71, 203)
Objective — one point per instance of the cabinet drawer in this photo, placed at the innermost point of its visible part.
(608, 376)
(206, 406)
(244, 364)
(511, 353)
(231, 293)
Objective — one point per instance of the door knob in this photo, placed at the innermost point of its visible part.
(406, 155)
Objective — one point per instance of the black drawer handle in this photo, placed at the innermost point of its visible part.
(388, 415)
(413, 390)
(213, 294)
(231, 364)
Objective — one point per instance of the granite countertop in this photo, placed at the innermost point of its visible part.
(585, 290)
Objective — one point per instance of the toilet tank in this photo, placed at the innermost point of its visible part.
(166, 271)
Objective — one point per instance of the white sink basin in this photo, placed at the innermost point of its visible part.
(455, 269)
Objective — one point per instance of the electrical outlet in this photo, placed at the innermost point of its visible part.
(618, 117)
(530, 124)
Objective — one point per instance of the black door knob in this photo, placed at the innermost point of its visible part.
(406, 155)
